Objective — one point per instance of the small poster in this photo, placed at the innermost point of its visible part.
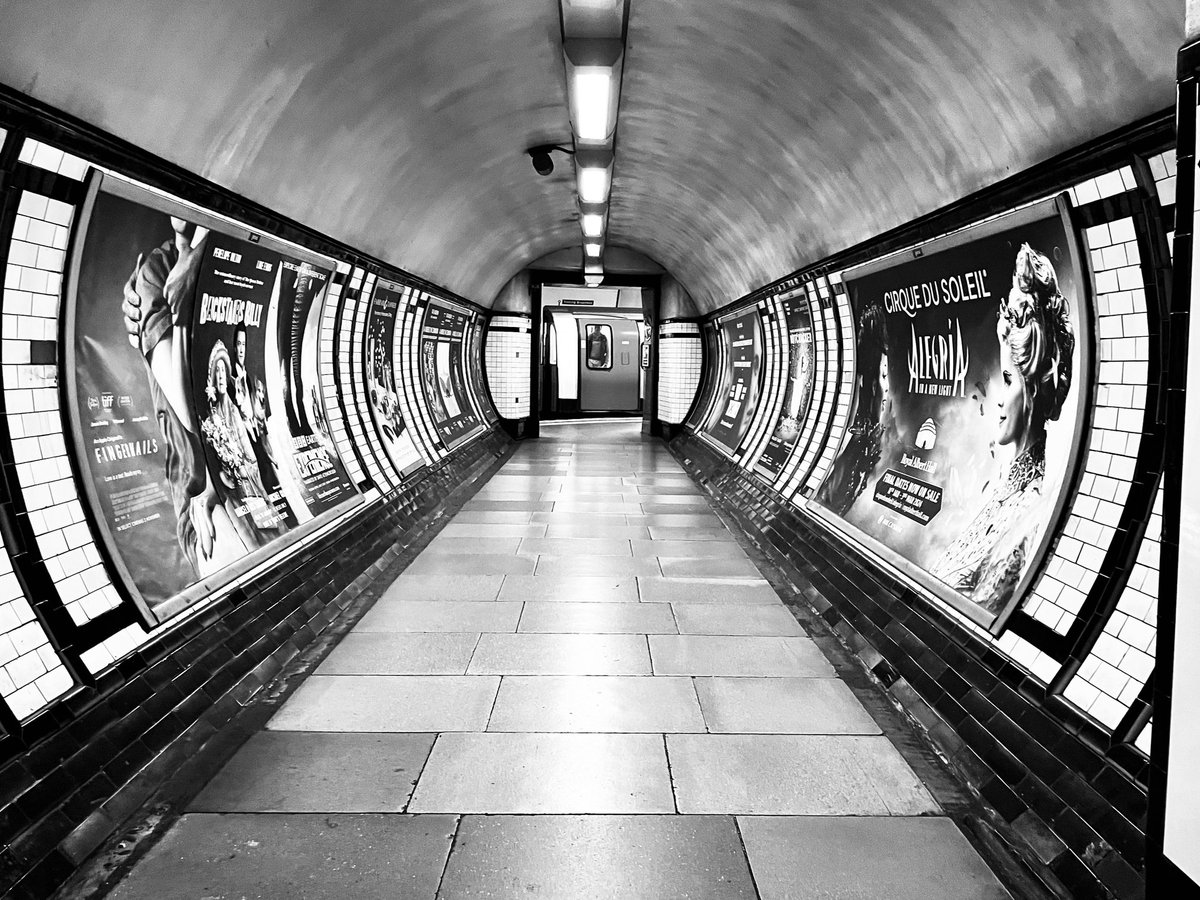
(734, 410)
(443, 342)
(798, 390)
(383, 393)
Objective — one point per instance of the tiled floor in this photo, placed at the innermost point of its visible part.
(582, 688)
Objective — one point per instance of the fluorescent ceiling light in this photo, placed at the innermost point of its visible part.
(592, 280)
(593, 224)
(591, 95)
(593, 268)
(593, 185)
(591, 249)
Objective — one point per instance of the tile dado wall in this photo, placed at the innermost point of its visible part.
(1050, 720)
(95, 710)
(680, 360)
(507, 364)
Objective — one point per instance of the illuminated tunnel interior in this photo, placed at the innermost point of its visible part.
(814, 372)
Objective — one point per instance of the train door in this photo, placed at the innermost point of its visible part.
(609, 364)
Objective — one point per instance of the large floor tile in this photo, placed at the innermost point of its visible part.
(694, 654)
(589, 529)
(845, 858)
(476, 564)
(793, 775)
(443, 545)
(485, 530)
(597, 565)
(571, 588)
(782, 706)
(301, 771)
(506, 506)
(388, 703)
(706, 590)
(301, 857)
(577, 547)
(437, 615)
(683, 519)
(443, 586)
(597, 858)
(709, 568)
(596, 703)
(492, 517)
(376, 653)
(736, 618)
(567, 518)
(684, 533)
(560, 654)
(559, 617)
(545, 773)
(689, 549)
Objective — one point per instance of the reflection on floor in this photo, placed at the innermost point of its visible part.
(582, 688)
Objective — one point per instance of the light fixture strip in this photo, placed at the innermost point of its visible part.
(593, 58)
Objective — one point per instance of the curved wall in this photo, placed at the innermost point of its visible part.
(1044, 705)
(126, 639)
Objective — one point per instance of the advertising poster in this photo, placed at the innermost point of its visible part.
(382, 391)
(443, 339)
(973, 359)
(247, 466)
(299, 422)
(138, 434)
(171, 353)
(475, 364)
(798, 390)
(742, 336)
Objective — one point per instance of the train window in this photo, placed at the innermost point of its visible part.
(599, 347)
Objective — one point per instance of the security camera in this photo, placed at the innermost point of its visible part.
(540, 155)
(542, 163)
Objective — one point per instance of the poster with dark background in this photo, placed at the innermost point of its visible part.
(139, 435)
(299, 421)
(443, 337)
(475, 363)
(382, 392)
(235, 282)
(801, 362)
(961, 448)
(742, 335)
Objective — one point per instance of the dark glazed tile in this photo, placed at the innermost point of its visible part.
(597, 858)
(301, 771)
(300, 857)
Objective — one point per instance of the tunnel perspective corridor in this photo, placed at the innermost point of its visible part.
(582, 687)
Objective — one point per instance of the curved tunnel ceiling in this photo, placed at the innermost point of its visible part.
(755, 136)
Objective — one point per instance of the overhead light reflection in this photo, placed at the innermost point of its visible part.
(593, 185)
(591, 93)
(593, 225)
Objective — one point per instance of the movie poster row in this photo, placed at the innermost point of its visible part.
(443, 373)
(737, 392)
(383, 387)
(798, 389)
(200, 424)
(973, 369)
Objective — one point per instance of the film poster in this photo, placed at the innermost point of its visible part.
(443, 338)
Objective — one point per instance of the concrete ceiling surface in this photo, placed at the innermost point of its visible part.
(755, 136)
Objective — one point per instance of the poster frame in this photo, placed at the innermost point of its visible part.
(468, 316)
(217, 583)
(725, 353)
(912, 575)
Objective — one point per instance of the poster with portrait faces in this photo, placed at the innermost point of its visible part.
(443, 376)
(170, 353)
(801, 364)
(738, 391)
(973, 369)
